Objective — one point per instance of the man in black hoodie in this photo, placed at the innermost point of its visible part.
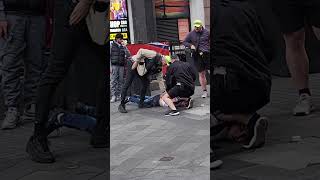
(180, 82)
(22, 30)
(242, 50)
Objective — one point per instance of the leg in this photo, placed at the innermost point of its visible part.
(114, 82)
(101, 131)
(121, 80)
(143, 89)
(129, 79)
(203, 80)
(166, 98)
(297, 59)
(12, 55)
(34, 61)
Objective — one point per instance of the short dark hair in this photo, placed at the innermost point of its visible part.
(119, 36)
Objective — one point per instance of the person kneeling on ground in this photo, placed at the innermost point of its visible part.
(241, 79)
(145, 63)
(157, 101)
(180, 82)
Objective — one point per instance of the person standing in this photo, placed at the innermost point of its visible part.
(71, 32)
(118, 60)
(294, 15)
(151, 63)
(198, 41)
(22, 26)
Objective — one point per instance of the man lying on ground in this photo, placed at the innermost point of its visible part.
(157, 101)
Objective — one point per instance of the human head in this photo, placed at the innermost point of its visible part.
(119, 38)
(174, 58)
(197, 25)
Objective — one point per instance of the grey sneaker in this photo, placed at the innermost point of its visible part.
(29, 113)
(205, 94)
(113, 99)
(11, 120)
(304, 106)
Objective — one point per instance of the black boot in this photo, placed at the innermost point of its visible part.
(39, 151)
(122, 108)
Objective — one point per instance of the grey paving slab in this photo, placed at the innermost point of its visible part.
(146, 136)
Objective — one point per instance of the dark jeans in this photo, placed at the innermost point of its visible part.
(131, 75)
(148, 101)
(78, 121)
(66, 44)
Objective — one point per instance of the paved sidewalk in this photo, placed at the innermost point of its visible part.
(76, 160)
(280, 159)
(147, 145)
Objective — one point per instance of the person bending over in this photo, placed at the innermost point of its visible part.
(180, 82)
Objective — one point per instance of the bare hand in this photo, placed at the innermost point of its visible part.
(79, 12)
(193, 47)
(3, 29)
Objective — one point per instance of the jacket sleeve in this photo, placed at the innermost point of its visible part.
(168, 78)
(187, 40)
(2, 12)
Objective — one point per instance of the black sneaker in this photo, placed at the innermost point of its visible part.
(257, 128)
(39, 151)
(172, 113)
(122, 108)
(190, 103)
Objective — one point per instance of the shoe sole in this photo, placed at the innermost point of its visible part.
(216, 164)
(190, 105)
(259, 136)
(175, 114)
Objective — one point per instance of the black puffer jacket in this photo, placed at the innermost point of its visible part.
(118, 55)
(26, 6)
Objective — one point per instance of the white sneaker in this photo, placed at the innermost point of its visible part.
(205, 94)
(113, 99)
(304, 106)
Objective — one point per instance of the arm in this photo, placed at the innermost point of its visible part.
(187, 41)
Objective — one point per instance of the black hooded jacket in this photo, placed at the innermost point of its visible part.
(242, 38)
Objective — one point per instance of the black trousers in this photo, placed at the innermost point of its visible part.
(132, 75)
(66, 43)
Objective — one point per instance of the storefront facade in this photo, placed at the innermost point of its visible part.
(160, 20)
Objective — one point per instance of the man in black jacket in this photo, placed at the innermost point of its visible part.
(22, 31)
(118, 60)
(241, 82)
(180, 82)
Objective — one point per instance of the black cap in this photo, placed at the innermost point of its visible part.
(119, 36)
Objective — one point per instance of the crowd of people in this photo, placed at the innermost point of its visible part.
(179, 79)
(242, 48)
(26, 73)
